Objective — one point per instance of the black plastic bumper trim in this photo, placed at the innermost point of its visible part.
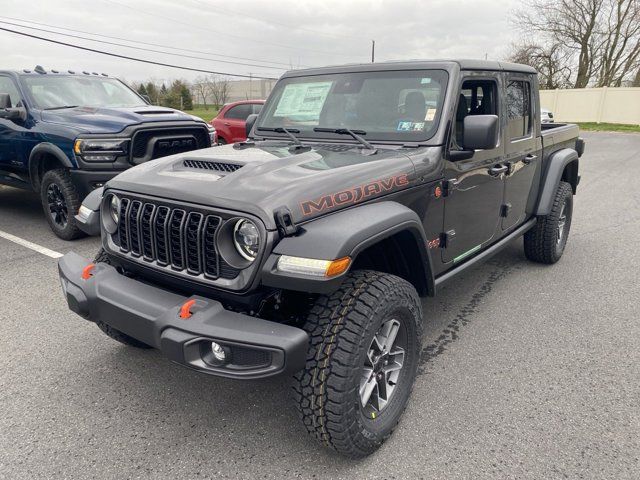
(151, 315)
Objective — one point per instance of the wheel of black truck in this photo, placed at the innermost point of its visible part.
(61, 202)
(362, 362)
(117, 335)
(545, 243)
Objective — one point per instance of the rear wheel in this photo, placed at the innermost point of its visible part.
(221, 141)
(60, 202)
(362, 362)
(545, 243)
(117, 335)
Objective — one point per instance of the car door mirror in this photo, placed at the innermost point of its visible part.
(480, 132)
(18, 113)
(5, 101)
(250, 122)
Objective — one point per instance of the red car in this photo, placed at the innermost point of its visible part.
(229, 123)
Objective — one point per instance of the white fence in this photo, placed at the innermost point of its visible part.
(606, 105)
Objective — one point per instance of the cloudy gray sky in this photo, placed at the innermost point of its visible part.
(271, 36)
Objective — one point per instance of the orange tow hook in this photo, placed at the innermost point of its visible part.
(88, 271)
(185, 310)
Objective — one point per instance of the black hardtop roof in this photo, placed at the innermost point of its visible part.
(490, 65)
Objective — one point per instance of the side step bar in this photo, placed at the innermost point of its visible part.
(493, 249)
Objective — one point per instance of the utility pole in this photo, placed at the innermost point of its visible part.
(373, 51)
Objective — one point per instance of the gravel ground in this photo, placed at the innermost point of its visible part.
(528, 371)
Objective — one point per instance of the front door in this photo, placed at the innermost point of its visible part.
(522, 149)
(475, 186)
(9, 130)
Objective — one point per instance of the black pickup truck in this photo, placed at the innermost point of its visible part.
(305, 249)
(64, 134)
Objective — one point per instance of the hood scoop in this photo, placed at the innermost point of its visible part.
(154, 112)
(210, 165)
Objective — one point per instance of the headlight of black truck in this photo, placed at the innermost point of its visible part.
(99, 149)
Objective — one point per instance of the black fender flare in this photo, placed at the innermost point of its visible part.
(38, 152)
(347, 233)
(556, 166)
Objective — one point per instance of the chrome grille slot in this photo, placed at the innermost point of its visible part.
(146, 231)
(160, 234)
(122, 225)
(193, 241)
(133, 222)
(211, 260)
(176, 241)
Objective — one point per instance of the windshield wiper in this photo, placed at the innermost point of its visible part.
(345, 131)
(289, 131)
(63, 106)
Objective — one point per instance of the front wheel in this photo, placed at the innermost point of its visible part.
(60, 202)
(362, 362)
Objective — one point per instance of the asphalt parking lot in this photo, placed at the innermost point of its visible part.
(528, 371)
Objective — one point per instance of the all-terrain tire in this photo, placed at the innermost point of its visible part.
(60, 181)
(341, 327)
(117, 335)
(545, 243)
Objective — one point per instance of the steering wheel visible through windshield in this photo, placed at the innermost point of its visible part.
(390, 105)
(51, 92)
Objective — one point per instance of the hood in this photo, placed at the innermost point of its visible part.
(259, 179)
(112, 120)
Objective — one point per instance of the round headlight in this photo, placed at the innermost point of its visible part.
(114, 209)
(246, 238)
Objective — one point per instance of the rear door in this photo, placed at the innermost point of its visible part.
(523, 148)
(475, 186)
(235, 119)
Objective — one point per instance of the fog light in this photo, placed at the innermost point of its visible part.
(218, 352)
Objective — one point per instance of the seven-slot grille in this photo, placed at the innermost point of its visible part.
(172, 237)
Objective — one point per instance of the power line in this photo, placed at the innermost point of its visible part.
(288, 65)
(275, 22)
(133, 58)
(224, 34)
(139, 48)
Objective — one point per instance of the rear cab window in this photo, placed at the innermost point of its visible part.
(519, 115)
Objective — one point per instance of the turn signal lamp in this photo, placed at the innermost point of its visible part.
(313, 267)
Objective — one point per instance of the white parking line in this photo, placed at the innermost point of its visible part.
(31, 245)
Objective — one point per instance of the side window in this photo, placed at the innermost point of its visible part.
(7, 86)
(257, 107)
(477, 97)
(518, 109)
(239, 112)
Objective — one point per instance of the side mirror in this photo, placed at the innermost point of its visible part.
(480, 132)
(250, 122)
(5, 101)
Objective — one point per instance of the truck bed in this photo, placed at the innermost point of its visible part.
(556, 136)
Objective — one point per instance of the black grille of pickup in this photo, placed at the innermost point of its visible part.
(150, 144)
(172, 237)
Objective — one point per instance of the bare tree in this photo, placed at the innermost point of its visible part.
(620, 42)
(201, 90)
(218, 88)
(601, 37)
(552, 63)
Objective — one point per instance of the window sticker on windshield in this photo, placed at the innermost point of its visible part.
(404, 126)
(408, 126)
(303, 98)
(425, 80)
(431, 114)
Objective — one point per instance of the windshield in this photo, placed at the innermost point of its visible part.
(392, 105)
(71, 91)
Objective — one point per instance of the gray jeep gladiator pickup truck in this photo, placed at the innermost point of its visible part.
(305, 249)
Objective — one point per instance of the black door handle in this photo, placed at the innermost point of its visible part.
(528, 159)
(498, 169)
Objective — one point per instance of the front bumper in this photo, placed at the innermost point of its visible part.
(257, 348)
